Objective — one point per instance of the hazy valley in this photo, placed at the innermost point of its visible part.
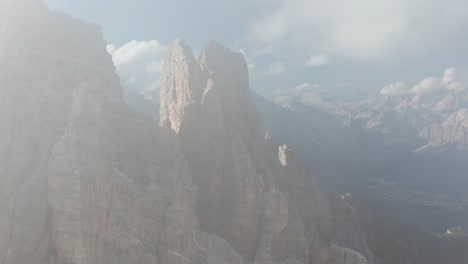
(203, 169)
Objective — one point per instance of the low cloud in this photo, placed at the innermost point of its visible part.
(135, 51)
(301, 87)
(154, 66)
(317, 60)
(452, 80)
(138, 63)
(398, 88)
(306, 87)
(428, 85)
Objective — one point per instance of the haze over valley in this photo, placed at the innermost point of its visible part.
(268, 145)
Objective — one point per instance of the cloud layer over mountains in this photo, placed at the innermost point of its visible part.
(452, 80)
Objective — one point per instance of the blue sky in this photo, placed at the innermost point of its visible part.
(337, 45)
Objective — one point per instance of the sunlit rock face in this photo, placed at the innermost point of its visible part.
(251, 192)
(181, 75)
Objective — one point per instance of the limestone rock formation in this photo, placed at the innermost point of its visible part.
(85, 180)
(82, 178)
(257, 198)
(180, 73)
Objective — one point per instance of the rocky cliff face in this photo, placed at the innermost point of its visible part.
(251, 192)
(84, 180)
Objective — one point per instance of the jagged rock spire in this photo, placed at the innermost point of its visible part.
(218, 80)
(256, 197)
(180, 84)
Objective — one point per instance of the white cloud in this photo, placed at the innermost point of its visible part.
(154, 66)
(317, 60)
(449, 81)
(306, 87)
(428, 85)
(359, 29)
(449, 75)
(398, 88)
(134, 51)
(110, 49)
(301, 87)
(138, 63)
(454, 80)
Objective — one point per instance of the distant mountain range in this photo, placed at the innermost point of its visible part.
(405, 152)
(434, 120)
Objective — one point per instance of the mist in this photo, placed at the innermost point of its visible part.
(257, 132)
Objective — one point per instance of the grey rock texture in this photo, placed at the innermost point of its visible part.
(180, 73)
(85, 180)
(251, 192)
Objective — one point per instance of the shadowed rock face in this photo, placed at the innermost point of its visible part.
(251, 192)
(84, 180)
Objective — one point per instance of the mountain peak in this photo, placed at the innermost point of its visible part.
(219, 78)
(180, 84)
(216, 57)
(178, 49)
(215, 48)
